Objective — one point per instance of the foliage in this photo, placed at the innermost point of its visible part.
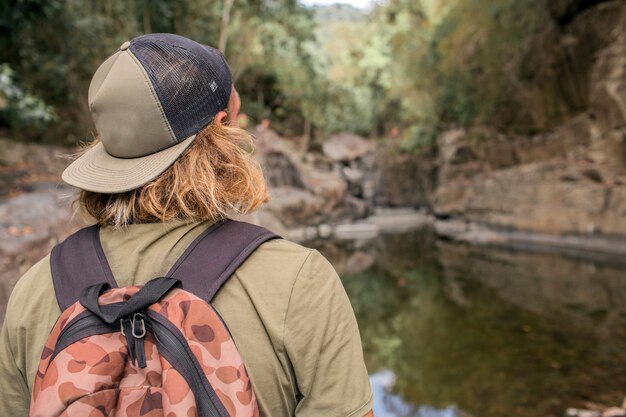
(19, 109)
(412, 66)
(56, 46)
(454, 62)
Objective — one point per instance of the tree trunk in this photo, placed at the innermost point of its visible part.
(147, 27)
(177, 18)
(131, 16)
(228, 4)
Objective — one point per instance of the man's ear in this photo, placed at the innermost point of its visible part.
(234, 104)
(220, 117)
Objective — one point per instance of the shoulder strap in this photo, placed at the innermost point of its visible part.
(215, 255)
(77, 263)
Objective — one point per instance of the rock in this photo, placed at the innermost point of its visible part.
(403, 180)
(614, 412)
(574, 412)
(27, 167)
(555, 197)
(400, 220)
(356, 231)
(448, 143)
(271, 222)
(353, 174)
(46, 159)
(302, 234)
(34, 217)
(305, 189)
(282, 164)
(345, 147)
(561, 66)
(268, 220)
(30, 225)
(352, 209)
(586, 247)
(281, 170)
(295, 207)
(325, 231)
(464, 154)
(454, 229)
(608, 77)
(327, 185)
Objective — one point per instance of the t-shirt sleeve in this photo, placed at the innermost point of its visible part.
(324, 346)
(14, 396)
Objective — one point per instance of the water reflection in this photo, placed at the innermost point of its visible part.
(387, 404)
(493, 332)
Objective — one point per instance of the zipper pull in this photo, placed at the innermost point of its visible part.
(127, 329)
(139, 332)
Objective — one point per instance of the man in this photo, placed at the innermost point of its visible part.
(170, 161)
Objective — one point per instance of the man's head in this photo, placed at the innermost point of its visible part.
(165, 110)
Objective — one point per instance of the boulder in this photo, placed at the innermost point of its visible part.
(281, 170)
(554, 197)
(281, 162)
(295, 207)
(327, 185)
(352, 208)
(402, 179)
(345, 147)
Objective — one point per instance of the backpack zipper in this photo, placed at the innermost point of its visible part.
(175, 348)
(82, 326)
(171, 344)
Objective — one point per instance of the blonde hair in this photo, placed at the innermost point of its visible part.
(214, 178)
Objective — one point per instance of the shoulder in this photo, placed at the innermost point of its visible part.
(267, 280)
(282, 263)
(35, 281)
(279, 253)
(33, 293)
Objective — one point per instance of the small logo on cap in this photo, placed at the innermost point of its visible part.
(213, 86)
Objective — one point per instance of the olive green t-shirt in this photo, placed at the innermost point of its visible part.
(285, 307)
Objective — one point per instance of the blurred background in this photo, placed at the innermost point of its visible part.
(462, 163)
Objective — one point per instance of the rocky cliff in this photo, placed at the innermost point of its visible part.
(560, 167)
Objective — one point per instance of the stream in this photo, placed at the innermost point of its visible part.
(453, 330)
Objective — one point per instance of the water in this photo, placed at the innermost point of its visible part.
(452, 330)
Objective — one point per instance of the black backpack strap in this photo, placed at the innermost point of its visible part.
(215, 255)
(77, 263)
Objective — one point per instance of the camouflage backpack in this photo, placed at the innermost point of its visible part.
(153, 350)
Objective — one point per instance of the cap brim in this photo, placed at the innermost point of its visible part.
(100, 172)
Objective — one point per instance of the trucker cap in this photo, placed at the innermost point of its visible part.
(148, 101)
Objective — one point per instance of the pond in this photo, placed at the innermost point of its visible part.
(456, 330)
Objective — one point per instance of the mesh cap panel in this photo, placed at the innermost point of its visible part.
(192, 81)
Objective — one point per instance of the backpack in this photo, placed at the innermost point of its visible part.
(159, 349)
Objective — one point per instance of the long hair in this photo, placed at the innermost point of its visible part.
(214, 178)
